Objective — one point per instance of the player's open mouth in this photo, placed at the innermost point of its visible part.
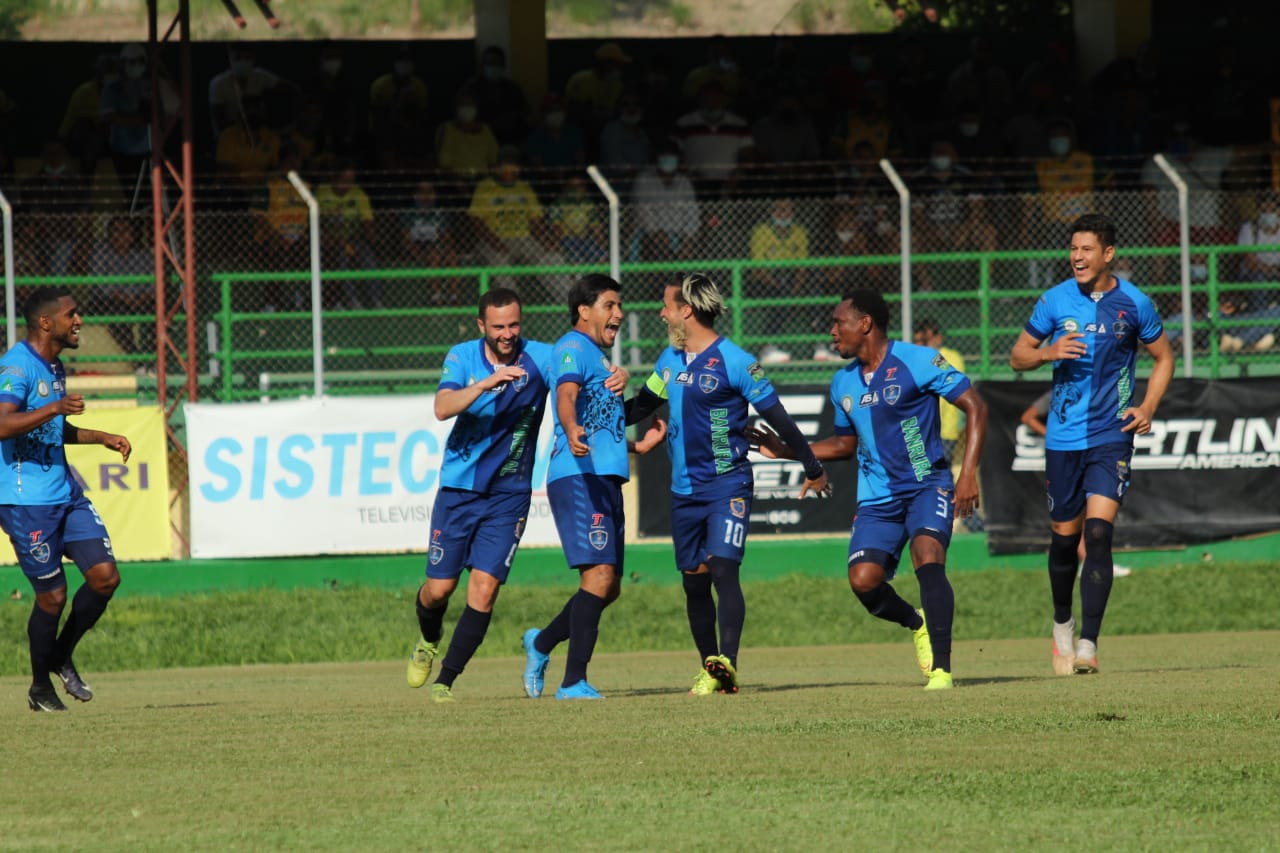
(612, 327)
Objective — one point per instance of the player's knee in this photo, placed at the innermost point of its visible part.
(721, 568)
(52, 601)
(1097, 538)
(696, 584)
(103, 579)
(1062, 549)
(865, 577)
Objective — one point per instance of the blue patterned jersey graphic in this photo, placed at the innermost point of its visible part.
(707, 395)
(492, 445)
(1091, 392)
(35, 463)
(578, 359)
(894, 415)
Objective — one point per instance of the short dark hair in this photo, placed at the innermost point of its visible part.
(871, 303)
(41, 302)
(587, 290)
(927, 326)
(499, 297)
(1098, 224)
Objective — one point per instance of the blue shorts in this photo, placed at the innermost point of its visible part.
(704, 526)
(589, 518)
(42, 534)
(880, 531)
(1071, 476)
(475, 530)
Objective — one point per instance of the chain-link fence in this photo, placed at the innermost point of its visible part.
(404, 259)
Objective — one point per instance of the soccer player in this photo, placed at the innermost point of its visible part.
(588, 466)
(1093, 323)
(708, 382)
(42, 508)
(496, 388)
(886, 403)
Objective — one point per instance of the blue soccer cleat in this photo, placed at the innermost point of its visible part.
(535, 665)
(581, 690)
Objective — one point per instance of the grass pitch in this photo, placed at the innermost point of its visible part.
(1174, 746)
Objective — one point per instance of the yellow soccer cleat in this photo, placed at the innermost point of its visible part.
(704, 684)
(420, 662)
(939, 679)
(723, 672)
(924, 649)
(441, 694)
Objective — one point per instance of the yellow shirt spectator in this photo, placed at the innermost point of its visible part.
(466, 153)
(508, 209)
(768, 245)
(1066, 186)
(950, 418)
(248, 154)
(347, 212)
(284, 210)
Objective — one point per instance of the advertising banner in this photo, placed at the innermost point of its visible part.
(338, 475)
(775, 508)
(132, 498)
(1209, 469)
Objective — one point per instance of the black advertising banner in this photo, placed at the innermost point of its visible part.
(1209, 469)
(775, 508)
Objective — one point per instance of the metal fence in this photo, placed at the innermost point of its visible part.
(403, 261)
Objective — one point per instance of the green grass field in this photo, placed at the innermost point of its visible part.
(1174, 746)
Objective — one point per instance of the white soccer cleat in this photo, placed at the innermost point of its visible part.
(1064, 642)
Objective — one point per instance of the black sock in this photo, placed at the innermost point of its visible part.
(700, 607)
(468, 634)
(1095, 577)
(939, 602)
(584, 627)
(87, 608)
(42, 633)
(884, 602)
(557, 630)
(732, 606)
(1062, 575)
(431, 621)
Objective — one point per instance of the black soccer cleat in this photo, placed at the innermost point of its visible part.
(44, 699)
(73, 683)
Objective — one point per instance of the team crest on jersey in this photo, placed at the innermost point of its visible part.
(756, 371)
(1070, 325)
(738, 507)
(520, 382)
(666, 376)
(940, 362)
(892, 394)
(684, 377)
(890, 373)
(708, 383)
(437, 554)
(868, 399)
(598, 537)
(1120, 329)
(39, 550)
(42, 388)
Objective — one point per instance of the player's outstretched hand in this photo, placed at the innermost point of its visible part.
(118, 443)
(820, 487)
(768, 442)
(653, 436)
(577, 438)
(618, 379)
(1069, 346)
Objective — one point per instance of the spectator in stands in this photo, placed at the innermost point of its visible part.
(58, 195)
(868, 122)
(347, 235)
(280, 235)
(122, 253)
(1259, 334)
(625, 143)
(779, 238)
(787, 134)
(429, 237)
(790, 71)
(316, 146)
(666, 210)
(556, 143)
(1064, 184)
(659, 95)
(331, 89)
(979, 80)
(465, 145)
(1262, 230)
(126, 108)
(844, 84)
(975, 140)
(941, 191)
(712, 139)
(591, 95)
(83, 129)
(720, 69)
(244, 78)
(509, 219)
(248, 148)
(500, 101)
(579, 221)
(397, 103)
(1125, 139)
(1025, 132)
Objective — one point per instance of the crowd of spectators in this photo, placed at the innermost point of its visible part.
(773, 159)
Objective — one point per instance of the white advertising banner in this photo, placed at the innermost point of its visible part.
(337, 475)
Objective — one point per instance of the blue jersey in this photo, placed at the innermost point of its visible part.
(708, 395)
(579, 359)
(894, 414)
(492, 445)
(35, 464)
(1090, 393)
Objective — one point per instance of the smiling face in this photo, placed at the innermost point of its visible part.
(601, 320)
(674, 313)
(849, 329)
(501, 330)
(64, 324)
(1090, 260)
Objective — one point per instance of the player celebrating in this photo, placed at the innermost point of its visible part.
(41, 507)
(496, 387)
(886, 403)
(1093, 323)
(708, 381)
(588, 466)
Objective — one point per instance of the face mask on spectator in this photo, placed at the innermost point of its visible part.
(969, 129)
(1060, 146)
(667, 163)
(494, 72)
(241, 67)
(467, 113)
(555, 118)
(844, 236)
(134, 70)
(1269, 220)
(782, 221)
(940, 163)
(331, 66)
(55, 170)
